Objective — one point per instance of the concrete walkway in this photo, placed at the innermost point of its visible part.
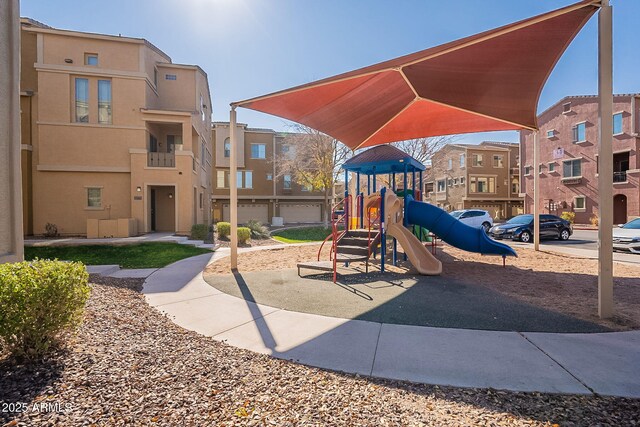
(605, 363)
(144, 238)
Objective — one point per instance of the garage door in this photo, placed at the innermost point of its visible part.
(496, 211)
(300, 213)
(247, 212)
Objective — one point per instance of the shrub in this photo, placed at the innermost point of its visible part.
(39, 300)
(594, 220)
(569, 216)
(199, 231)
(51, 230)
(258, 231)
(244, 234)
(224, 229)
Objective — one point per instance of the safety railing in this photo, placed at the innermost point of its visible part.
(339, 213)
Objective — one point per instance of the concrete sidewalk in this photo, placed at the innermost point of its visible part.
(605, 363)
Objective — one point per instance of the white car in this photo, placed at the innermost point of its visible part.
(474, 218)
(627, 237)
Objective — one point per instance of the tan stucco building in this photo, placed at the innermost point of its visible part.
(483, 176)
(111, 129)
(264, 192)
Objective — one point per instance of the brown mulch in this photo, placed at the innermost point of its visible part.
(555, 282)
(130, 365)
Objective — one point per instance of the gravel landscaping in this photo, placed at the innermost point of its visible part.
(129, 365)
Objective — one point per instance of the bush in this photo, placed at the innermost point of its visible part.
(258, 231)
(39, 300)
(244, 234)
(224, 229)
(569, 216)
(594, 220)
(50, 230)
(199, 232)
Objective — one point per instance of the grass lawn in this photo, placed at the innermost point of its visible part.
(302, 234)
(143, 255)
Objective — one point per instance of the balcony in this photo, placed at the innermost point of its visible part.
(161, 160)
(620, 176)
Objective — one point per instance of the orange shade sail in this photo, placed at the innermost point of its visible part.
(486, 82)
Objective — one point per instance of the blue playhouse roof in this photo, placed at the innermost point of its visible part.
(382, 159)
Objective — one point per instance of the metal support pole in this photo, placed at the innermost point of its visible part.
(357, 183)
(368, 185)
(413, 183)
(383, 231)
(233, 187)
(393, 182)
(605, 157)
(421, 187)
(536, 191)
(404, 182)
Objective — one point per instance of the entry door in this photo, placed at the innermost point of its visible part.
(620, 209)
(152, 202)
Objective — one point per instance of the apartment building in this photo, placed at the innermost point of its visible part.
(263, 192)
(568, 168)
(111, 130)
(484, 176)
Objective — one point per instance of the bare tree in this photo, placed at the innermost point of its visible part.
(423, 149)
(313, 160)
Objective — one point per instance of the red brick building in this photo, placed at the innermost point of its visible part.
(568, 168)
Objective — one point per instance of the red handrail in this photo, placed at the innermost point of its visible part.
(335, 220)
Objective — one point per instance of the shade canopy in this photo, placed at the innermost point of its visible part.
(383, 159)
(486, 82)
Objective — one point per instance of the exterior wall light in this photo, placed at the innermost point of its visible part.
(138, 189)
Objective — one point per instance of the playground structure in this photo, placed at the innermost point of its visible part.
(359, 228)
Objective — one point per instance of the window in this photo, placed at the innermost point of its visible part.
(617, 123)
(170, 77)
(227, 147)
(482, 184)
(441, 186)
(82, 100)
(239, 179)
(172, 141)
(515, 186)
(551, 133)
(449, 164)
(94, 197)
(104, 102)
(527, 170)
(580, 203)
(463, 160)
(269, 177)
(201, 200)
(258, 151)
(285, 148)
(498, 161)
(450, 183)
(287, 182)
(476, 160)
(91, 59)
(572, 168)
(306, 187)
(579, 132)
(155, 77)
(566, 108)
(455, 181)
(461, 180)
(203, 151)
(202, 108)
(248, 179)
(551, 167)
(220, 179)
(540, 167)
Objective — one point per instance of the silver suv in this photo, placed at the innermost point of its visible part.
(474, 217)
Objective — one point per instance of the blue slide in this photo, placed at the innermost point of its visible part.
(451, 230)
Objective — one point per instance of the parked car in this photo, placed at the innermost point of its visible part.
(474, 218)
(521, 228)
(627, 237)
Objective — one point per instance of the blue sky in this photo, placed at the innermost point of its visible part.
(252, 47)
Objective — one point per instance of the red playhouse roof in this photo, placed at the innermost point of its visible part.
(486, 82)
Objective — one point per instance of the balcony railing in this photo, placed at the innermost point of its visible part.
(161, 160)
(620, 176)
